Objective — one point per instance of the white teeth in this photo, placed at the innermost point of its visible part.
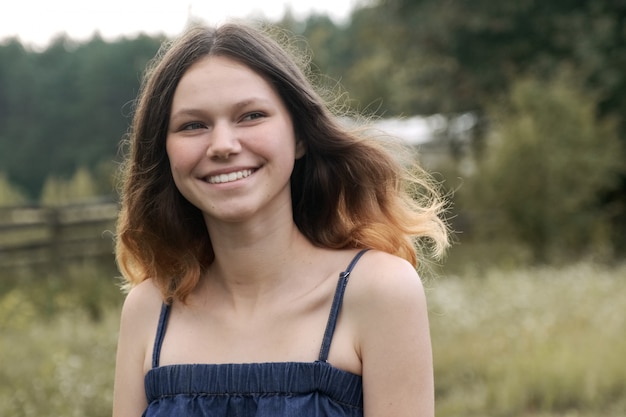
(233, 176)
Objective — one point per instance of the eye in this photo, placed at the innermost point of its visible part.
(252, 116)
(192, 126)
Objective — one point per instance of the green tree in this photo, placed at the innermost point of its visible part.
(80, 187)
(473, 50)
(17, 112)
(66, 106)
(547, 163)
(9, 194)
(54, 192)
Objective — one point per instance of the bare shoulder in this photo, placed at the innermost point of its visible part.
(384, 279)
(140, 313)
(385, 303)
(387, 314)
(142, 300)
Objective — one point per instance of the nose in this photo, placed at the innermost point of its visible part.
(224, 141)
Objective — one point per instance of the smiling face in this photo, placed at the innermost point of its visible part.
(231, 142)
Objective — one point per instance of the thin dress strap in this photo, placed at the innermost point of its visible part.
(334, 310)
(160, 335)
(328, 333)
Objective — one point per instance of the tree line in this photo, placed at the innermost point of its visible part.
(544, 80)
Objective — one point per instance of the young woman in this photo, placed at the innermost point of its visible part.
(246, 206)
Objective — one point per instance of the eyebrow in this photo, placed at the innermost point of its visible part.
(250, 101)
(196, 112)
(186, 112)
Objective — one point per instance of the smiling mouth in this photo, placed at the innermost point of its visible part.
(233, 176)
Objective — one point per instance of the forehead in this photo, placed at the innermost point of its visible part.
(217, 69)
(222, 78)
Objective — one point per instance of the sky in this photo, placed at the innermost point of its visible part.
(36, 22)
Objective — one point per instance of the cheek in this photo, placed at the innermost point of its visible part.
(180, 156)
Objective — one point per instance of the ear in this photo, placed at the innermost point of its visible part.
(300, 148)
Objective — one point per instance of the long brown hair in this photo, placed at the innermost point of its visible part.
(347, 190)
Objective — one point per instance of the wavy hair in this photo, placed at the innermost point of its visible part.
(348, 191)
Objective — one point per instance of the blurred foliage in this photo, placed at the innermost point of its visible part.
(530, 341)
(474, 50)
(87, 286)
(67, 106)
(80, 187)
(55, 366)
(10, 195)
(547, 163)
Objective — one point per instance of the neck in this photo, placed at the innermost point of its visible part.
(256, 259)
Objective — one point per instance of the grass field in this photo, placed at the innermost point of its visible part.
(531, 342)
(539, 342)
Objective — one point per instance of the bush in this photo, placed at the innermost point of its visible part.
(547, 162)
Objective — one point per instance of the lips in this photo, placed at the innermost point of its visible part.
(230, 177)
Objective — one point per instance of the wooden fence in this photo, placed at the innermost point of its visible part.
(49, 235)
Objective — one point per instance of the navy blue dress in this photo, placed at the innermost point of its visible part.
(282, 389)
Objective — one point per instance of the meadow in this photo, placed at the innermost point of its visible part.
(540, 341)
(529, 341)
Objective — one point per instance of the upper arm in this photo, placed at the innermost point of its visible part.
(137, 328)
(394, 340)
